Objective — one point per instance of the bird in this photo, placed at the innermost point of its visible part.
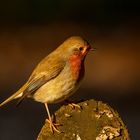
(56, 77)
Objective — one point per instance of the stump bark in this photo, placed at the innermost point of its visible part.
(94, 121)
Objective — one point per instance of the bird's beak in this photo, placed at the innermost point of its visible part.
(93, 49)
(87, 49)
(90, 48)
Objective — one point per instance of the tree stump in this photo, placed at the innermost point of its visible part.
(94, 121)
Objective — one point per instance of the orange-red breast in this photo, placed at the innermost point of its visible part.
(57, 76)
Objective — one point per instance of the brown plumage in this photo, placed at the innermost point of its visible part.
(57, 76)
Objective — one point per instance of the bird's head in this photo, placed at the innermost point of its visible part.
(75, 47)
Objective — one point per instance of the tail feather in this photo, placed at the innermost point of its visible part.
(14, 96)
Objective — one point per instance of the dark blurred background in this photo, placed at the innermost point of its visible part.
(31, 29)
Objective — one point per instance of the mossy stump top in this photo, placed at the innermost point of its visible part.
(94, 121)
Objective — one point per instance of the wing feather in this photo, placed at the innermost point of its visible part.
(40, 76)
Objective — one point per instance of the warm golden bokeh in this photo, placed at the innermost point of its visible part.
(29, 30)
(115, 64)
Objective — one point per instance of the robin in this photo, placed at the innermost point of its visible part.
(57, 76)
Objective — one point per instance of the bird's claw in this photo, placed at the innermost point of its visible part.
(53, 126)
(73, 105)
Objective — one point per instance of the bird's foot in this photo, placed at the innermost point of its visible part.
(53, 126)
(73, 105)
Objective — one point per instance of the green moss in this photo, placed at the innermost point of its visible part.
(95, 121)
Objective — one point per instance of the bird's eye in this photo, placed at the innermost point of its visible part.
(81, 48)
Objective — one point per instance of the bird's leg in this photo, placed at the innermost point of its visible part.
(72, 105)
(50, 121)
